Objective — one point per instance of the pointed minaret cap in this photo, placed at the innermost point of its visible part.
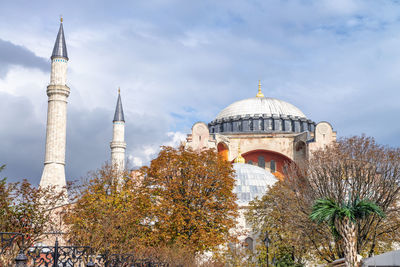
(119, 112)
(60, 48)
(239, 158)
(259, 94)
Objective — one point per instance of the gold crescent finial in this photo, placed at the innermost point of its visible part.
(119, 90)
(259, 94)
(61, 18)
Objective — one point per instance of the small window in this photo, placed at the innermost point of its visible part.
(273, 166)
(250, 162)
(261, 162)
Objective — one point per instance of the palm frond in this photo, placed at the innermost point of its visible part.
(324, 210)
(364, 208)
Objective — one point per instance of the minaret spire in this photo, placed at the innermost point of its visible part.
(118, 144)
(60, 47)
(57, 92)
(119, 112)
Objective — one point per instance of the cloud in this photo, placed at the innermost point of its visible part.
(178, 62)
(23, 135)
(11, 55)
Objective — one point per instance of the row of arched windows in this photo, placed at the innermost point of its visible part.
(261, 163)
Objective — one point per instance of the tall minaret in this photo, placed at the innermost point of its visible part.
(118, 144)
(58, 92)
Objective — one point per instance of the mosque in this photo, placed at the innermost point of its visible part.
(260, 135)
(265, 131)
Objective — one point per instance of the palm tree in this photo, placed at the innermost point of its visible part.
(342, 219)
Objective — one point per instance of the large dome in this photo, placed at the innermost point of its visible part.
(260, 106)
(251, 182)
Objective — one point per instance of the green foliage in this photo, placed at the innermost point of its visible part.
(344, 217)
(327, 210)
(286, 260)
(364, 208)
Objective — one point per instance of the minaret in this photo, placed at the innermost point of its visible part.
(118, 144)
(58, 92)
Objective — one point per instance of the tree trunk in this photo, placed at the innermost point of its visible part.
(349, 234)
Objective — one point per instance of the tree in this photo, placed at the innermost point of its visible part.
(342, 219)
(355, 167)
(27, 210)
(110, 215)
(183, 202)
(194, 202)
(289, 230)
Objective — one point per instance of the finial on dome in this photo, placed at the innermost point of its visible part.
(61, 19)
(259, 94)
(119, 90)
(239, 158)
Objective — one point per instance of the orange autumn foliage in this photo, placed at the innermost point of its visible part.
(195, 205)
(184, 199)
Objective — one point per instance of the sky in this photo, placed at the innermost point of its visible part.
(178, 62)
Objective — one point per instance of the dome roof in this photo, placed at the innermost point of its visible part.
(260, 105)
(251, 182)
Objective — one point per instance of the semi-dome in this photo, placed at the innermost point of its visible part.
(260, 106)
(251, 182)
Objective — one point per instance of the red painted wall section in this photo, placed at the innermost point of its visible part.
(280, 160)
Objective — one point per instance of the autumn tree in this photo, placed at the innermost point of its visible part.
(277, 213)
(27, 210)
(353, 168)
(111, 215)
(181, 204)
(194, 204)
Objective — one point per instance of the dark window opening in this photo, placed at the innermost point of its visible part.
(261, 162)
(273, 166)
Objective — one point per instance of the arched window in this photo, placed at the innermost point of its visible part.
(250, 162)
(261, 162)
(273, 166)
(223, 150)
(249, 243)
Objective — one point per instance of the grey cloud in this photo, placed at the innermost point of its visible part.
(23, 148)
(89, 133)
(11, 54)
